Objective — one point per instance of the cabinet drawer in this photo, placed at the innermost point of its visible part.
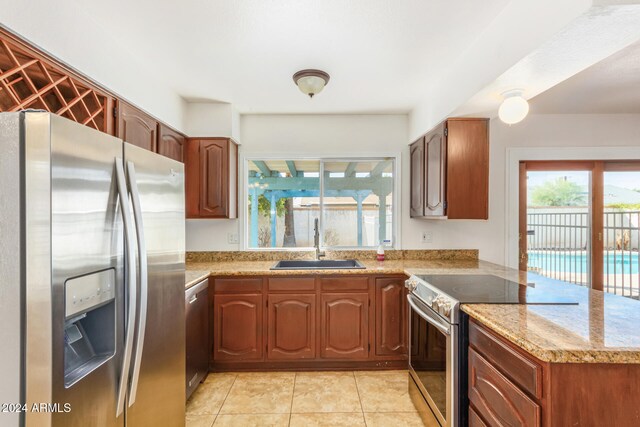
(525, 373)
(497, 399)
(292, 284)
(244, 284)
(474, 419)
(345, 283)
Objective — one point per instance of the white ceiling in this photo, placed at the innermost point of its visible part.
(592, 37)
(611, 86)
(380, 54)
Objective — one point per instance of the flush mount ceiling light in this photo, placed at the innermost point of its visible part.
(514, 108)
(311, 82)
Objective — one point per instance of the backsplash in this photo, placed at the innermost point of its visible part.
(414, 254)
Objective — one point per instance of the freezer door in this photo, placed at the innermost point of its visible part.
(85, 314)
(157, 384)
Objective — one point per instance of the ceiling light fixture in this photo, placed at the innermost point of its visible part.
(514, 108)
(311, 82)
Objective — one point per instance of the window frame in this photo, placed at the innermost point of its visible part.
(395, 158)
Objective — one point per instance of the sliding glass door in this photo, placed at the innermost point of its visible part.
(621, 231)
(580, 223)
(558, 229)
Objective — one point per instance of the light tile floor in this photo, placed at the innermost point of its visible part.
(303, 399)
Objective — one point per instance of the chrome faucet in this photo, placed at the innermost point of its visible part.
(316, 240)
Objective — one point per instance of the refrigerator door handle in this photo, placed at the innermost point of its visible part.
(142, 257)
(130, 283)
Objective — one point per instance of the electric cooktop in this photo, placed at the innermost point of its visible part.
(489, 289)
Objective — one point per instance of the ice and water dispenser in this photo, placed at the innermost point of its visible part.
(90, 323)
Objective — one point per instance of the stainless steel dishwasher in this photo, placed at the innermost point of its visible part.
(197, 334)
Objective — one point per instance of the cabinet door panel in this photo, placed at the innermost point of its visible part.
(416, 152)
(238, 327)
(496, 398)
(391, 317)
(435, 166)
(136, 127)
(170, 143)
(214, 178)
(474, 419)
(345, 326)
(468, 169)
(211, 178)
(291, 326)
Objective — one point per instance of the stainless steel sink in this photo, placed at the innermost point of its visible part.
(323, 264)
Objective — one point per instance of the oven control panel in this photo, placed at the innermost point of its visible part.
(439, 302)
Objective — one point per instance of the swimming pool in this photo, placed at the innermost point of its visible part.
(615, 262)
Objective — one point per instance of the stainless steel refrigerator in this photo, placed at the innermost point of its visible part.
(92, 243)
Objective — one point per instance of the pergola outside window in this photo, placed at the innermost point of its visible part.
(352, 198)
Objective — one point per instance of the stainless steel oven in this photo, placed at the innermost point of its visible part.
(433, 363)
(439, 333)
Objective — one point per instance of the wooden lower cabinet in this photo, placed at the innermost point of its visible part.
(391, 316)
(238, 327)
(510, 387)
(279, 322)
(291, 326)
(497, 399)
(345, 326)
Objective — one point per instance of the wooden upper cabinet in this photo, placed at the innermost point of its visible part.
(291, 326)
(136, 127)
(211, 178)
(467, 169)
(170, 143)
(435, 151)
(454, 171)
(416, 153)
(391, 317)
(345, 326)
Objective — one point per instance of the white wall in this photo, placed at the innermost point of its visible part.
(211, 119)
(560, 137)
(362, 135)
(55, 27)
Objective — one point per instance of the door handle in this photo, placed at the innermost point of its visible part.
(193, 298)
(144, 285)
(130, 283)
(445, 329)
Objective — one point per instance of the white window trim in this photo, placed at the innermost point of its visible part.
(397, 197)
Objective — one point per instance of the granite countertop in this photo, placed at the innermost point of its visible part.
(601, 328)
(193, 277)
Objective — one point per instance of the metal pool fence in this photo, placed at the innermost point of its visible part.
(558, 246)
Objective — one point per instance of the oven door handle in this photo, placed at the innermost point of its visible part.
(437, 323)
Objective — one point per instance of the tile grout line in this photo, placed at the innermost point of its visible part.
(225, 397)
(355, 380)
(293, 393)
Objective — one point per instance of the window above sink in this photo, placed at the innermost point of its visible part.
(353, 198)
